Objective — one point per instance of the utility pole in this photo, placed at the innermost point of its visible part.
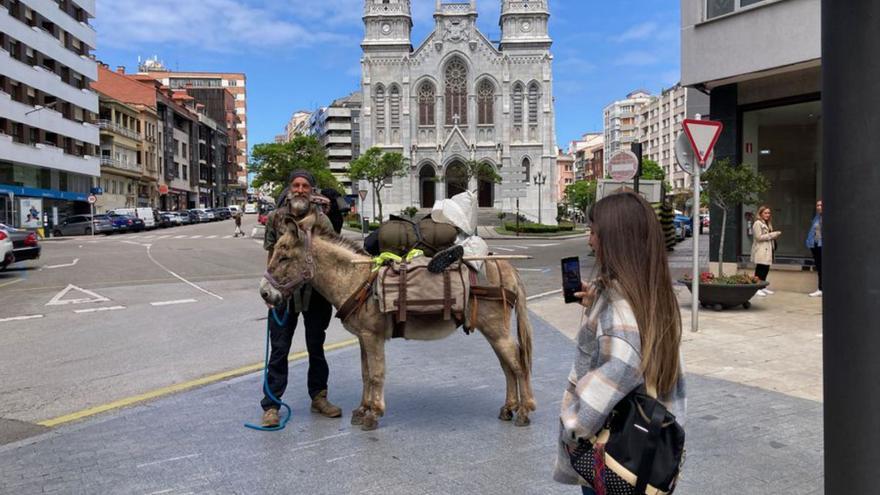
(851, 343)
(540, 180)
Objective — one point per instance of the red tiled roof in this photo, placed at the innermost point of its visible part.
(124, 88)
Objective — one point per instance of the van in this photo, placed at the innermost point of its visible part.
(250, 208)
(234, 209)
(145, 214)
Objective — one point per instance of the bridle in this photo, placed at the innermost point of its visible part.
(303, 277)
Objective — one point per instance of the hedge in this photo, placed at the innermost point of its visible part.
(537, 228)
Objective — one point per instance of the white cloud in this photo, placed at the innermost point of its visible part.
(217, 25)
(638, 32)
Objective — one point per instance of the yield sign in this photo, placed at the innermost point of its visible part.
(703, 134)
(59, 300)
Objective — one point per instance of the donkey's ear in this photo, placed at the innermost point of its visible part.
(290, 225)
(308, 221)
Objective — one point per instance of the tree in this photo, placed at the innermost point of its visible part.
(273, 163)
(728, 185)
(480, 171)
(651, 170)
(377, 168)
(581, 194)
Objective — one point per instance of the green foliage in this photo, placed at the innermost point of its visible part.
(273, 162)
(538, 228)
(651, 170)
(481, 171)
(501, 215)
(410, 211)
(377, 168)
(581, 194)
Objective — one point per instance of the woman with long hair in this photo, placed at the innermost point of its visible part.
(632, 331)
(763, 246)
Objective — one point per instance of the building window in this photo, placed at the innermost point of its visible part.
(533, 103)
(380, 106)
(456, 92)
(395, 106)
(716, 8)
(527, 169)
(517, 103)
(486, 103)
(426, 103)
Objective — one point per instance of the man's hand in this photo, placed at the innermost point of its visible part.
(587, 294)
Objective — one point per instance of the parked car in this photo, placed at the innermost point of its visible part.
(234, 209)
(25, 244)
(202, 215)
(165, 219)
(250, 209)
(145, 214)
(7, 251)
(135, 224)
(223, 212)
(185, 217)
(82, 225)
(687, 224)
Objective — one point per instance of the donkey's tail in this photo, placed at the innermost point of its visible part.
(523, 326)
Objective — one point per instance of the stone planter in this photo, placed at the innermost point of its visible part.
(725, 296)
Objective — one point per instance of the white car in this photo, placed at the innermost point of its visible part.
(145, 214)
(234, 209)
(250, 209)
(7, 256)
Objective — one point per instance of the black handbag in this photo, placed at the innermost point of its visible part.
(639, 451)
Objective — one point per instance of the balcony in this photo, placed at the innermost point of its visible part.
(49, 9)
(42, 41)
(109, 125)
(47, 82)
(107, 161)
(47, 156)
(46, 119)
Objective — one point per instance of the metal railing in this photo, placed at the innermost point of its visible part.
(118, 129)
(107, 161)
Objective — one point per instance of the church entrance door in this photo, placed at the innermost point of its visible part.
(486, 193)
(427, 186)
(456, 179)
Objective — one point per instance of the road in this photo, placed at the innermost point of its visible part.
(150, 310)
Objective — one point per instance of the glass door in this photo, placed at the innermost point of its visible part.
(7, 210)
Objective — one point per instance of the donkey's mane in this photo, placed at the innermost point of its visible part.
(341, 241)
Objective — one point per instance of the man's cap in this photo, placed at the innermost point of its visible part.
(305, 174)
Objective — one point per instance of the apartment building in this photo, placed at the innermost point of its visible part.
(48, 137)
(584, 150)
(234, 83)
(297, 125)
(659, 126)
(621, 122)
(337, 128)
(120, 154)
(565, 172)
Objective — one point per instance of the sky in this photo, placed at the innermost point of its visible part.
(303, 54)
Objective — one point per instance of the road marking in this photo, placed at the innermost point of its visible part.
(96, 310)
(149, 236)
(21, 318)
(57, 301)
(258, 241)
(194, 236)
(349, 456)
(160, 265)
(134, 243)
(499, 248)
(227, 237)
(518, 246)
(169, 303)
(13, 281)
(180, 387)
(75, 261)
(543, 270)
(546, 245)
(209, 237)
(163, 237)
(169, 460)
(549, 293)
(179, 236)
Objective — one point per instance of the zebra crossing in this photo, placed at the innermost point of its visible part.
(157, 237)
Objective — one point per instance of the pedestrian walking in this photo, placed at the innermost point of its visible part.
(814, 244)
(315, 310)
(630, 335)
(237, 218)
(763, 246)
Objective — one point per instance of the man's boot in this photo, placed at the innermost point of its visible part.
(270, 418)
(322, 406)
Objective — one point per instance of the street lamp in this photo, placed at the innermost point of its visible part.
(540, 179)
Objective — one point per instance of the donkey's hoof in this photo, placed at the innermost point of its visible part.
(357, 417)
(506, 414)
(522, 420)
(369, 423)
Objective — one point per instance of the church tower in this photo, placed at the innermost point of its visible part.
(524, 25)
(387, 26)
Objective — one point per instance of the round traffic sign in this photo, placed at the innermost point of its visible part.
(92, 199)
(623, 165)
(685, 156)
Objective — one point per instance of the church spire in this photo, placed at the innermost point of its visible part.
(524, 24)
(387, 25)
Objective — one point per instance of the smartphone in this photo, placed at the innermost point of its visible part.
(571, 278)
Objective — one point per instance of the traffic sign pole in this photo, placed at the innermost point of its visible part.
(695, 233)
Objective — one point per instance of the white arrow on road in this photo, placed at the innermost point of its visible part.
(63, 266)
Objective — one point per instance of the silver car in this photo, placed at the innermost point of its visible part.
(82, 225)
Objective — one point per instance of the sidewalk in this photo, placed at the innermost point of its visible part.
(754, 422)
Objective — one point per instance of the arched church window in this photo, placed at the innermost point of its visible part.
(518, 103)
(426, 103)
(486, 102)
(380, 106)
(527, 169)
(534, 93)
(395, 106)
(456, 92)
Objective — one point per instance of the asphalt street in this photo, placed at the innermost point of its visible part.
(102, 319)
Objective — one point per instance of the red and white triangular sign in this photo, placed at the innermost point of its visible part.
(703, 134)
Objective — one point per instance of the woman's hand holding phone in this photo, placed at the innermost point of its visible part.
(587, 294)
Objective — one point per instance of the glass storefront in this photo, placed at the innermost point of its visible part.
(784, 144)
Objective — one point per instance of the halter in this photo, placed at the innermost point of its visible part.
(305, 276)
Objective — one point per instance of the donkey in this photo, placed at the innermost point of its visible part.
(308, 254)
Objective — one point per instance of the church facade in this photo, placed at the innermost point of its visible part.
(459, 97)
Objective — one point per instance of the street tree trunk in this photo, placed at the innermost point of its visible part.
(721, 246)
(376, 189)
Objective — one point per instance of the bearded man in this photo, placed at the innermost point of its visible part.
(316, 311)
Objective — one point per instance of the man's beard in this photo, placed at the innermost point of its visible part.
(299, 205)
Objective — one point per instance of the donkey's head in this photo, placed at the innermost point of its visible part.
(292, 263)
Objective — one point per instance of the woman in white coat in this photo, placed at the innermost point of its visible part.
(763, 245)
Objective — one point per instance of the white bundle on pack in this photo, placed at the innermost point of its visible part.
(461, 211)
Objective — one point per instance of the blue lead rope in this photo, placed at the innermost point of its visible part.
(281, 323)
